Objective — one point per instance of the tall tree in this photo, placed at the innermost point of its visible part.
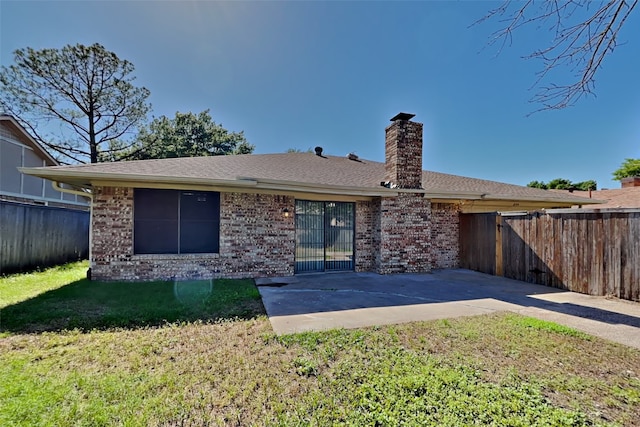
(583, 33)
(538, 184)
(564, 184)
(629, 168)
(188, 135)
(79, 101)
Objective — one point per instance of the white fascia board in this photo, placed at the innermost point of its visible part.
(273, 184)
(455, 195)
(574, 200)
(591, 210)
(68, 176)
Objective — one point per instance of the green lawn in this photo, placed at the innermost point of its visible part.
(62, 298)
(150, 354)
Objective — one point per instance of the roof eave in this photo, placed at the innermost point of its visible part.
(571, 201)
(87, 180)
(13, 123)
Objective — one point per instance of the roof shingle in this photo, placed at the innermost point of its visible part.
(300, 168)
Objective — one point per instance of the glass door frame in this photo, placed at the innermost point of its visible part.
(315, 237)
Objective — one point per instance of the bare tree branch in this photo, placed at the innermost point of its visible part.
(85, 91)
(582, 39)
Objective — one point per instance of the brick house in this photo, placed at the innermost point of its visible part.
(282, 214)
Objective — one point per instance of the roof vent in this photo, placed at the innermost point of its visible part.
(352, 156)
(402, 116)
(318, 151)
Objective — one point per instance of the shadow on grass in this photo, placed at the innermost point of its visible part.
(88, 305)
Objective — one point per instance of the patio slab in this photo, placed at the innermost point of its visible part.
(352, 300)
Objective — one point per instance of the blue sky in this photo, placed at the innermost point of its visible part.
(302, 74)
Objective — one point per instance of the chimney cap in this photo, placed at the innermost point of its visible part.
(402, 116)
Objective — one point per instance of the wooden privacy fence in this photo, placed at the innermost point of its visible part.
(592, 252)
(41, 236)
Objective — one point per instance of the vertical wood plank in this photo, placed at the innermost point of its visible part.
(498, 244)
(41, 236)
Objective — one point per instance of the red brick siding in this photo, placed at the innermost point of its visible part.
(255, 240)
(403, 154)
(445, 235)
(367, 235)
(405, 234)
(112, 232)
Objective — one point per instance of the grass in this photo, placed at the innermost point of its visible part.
(17, 287)
(230, 369)
(68, 301)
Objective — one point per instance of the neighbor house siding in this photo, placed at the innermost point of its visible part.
(16, 152)
(256, 240)
(445, 232)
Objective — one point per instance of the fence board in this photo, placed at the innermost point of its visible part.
(41, 236)
(479, 250)
(591, 252)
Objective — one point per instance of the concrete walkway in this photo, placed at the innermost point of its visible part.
(352, 300)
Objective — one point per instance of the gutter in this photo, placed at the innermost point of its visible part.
(466, 195)
(574, 201)
(56, 186)
(310, 187)
(53, 175)
(241, 182)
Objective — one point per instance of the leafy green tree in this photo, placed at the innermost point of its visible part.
(564, 184)
(629, 168)
(560, 184)
(187, 135)
(78, 101)
(586, 185)
(537, 184)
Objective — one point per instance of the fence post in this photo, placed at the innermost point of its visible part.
(499, 225)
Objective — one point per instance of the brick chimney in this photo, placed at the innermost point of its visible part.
(633, 181)
(403, 152)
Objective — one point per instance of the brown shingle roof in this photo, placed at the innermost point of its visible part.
(616, 198)
(294, 168)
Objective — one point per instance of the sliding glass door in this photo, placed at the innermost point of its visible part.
(324, 236)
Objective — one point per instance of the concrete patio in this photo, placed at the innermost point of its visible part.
(352, 300)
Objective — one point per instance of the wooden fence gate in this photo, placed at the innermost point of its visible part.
(592, 252)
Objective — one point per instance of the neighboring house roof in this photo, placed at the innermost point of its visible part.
(616, 198)
(292, 172)
(20, 132)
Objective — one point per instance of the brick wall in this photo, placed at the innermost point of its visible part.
(112, 233)
(256, 240)
(405, 234)
(445, 235)
(633, 181)
(367, 235)
(403, 154)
